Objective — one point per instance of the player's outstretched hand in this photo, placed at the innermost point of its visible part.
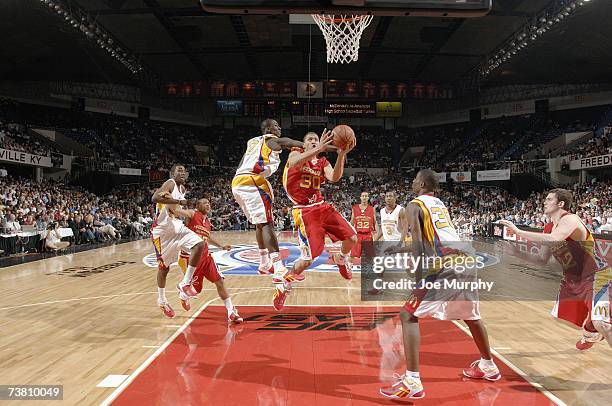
(226, 247)
(508, 224)
(325, 142)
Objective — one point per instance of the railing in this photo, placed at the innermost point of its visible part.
(544, 177)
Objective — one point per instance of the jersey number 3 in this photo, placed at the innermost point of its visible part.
(441, 217)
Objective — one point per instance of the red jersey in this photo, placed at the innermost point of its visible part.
(363, 219)
(200, 225)
(579, 259)
(303, 183)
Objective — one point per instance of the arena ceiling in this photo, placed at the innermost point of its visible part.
(178, 41)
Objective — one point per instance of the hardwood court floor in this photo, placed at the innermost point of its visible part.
(75, 319)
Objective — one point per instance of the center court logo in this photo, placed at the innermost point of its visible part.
(244, 259)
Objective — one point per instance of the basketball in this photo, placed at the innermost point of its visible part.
(343, 136)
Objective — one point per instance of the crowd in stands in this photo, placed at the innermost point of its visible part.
(129, 142)
(127, 212)
(47, 205)
(14, 136)
(595, 146)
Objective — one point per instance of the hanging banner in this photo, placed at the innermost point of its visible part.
(24, 158)
(130, 171)
(591, 162)
(461, 176)
(497, 174)
(441, 177)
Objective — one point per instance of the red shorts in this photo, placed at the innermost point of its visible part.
(368, 246)
(314, 223)
(581, 301)
(207, 268)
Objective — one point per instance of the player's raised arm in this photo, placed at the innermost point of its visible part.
(164, 194)
(283, 143)
(334, 174)
(297, 158)
(564, 229)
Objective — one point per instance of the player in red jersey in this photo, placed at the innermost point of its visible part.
(584, 294)
(314, 218)
(197, 221)
(364, 220)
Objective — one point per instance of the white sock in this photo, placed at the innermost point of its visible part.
(413, 375)
(228, 305)
(486, 363)
(279, 267)
(264, 257)
(161, 295)
(341, 258)
(188, 275)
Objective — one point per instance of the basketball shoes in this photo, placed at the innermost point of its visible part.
(233, 317)
(588, 339)
(293, 277)
(184, 299)
(167, 309)
(287, 277)
(265, 269)
(280, 295)
(475, 371)
(344, 266)
(405, 387)
(187, 289)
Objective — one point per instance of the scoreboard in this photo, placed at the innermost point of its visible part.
(276, 108)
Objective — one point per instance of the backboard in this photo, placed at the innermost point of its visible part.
(427, 8)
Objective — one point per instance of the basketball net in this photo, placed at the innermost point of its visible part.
(342, 35)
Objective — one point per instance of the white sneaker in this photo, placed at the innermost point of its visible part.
(234, 318)
(404, 388)
(265, 269)
(588, 339)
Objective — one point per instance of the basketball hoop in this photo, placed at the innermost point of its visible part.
(342, 35)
